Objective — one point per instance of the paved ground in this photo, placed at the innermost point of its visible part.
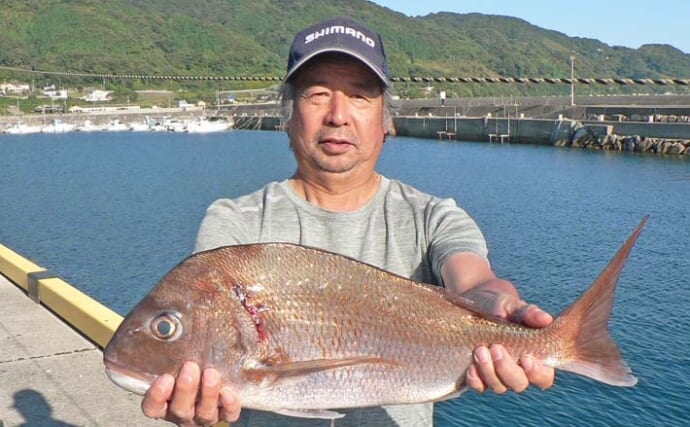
(52, 376)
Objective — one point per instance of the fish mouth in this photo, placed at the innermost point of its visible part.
(136, 382)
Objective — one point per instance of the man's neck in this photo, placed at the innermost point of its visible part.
(337, 193)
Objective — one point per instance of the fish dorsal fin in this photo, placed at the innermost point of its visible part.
(297, 370)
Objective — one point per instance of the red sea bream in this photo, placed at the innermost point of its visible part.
(301, 331)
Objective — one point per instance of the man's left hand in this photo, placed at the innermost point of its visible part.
(494, 368)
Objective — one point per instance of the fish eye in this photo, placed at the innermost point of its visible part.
(166, 327)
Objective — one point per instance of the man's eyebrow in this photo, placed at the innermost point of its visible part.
(368, 85)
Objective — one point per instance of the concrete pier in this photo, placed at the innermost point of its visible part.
(51, 375)
(557, 132)
(526, 120)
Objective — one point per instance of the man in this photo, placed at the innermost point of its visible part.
(335, 96)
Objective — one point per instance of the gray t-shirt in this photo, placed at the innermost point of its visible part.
(401, 229)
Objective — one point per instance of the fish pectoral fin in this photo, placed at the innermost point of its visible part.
(298, 370)
(310, 413)
(306, 367)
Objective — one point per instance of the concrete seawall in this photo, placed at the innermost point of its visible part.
(527, 131)
(606, 135)
(649, 130)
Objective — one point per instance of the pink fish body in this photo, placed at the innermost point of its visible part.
(300, 331)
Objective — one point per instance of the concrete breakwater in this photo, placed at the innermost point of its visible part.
(657, 138)
(633, 143)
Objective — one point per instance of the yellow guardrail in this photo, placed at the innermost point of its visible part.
(15, 267)
(93, 319)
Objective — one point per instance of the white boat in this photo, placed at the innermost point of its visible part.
(206, 125)
(156, 124)
(88, 126)
(174, 125)
(22, 129)
(158, 127)
(116, 125)
(58, 126)
(139, 127)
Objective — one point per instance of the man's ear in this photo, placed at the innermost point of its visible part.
(389, 127)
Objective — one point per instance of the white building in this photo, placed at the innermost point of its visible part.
(98, 96)
(14, 88)
(54, 94)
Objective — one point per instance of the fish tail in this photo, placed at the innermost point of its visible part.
(588, 348)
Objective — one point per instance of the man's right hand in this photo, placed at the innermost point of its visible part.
(176, 400)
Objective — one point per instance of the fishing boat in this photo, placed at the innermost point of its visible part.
(58, 126)
(174, 125)
(140, 126)
(116, 125)
(207, 125)
(89, 126)
(20, 128)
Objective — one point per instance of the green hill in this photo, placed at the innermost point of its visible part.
(251, 38)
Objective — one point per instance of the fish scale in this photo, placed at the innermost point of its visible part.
(371, 314)
(300, 331)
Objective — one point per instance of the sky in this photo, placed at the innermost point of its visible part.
(629, 23)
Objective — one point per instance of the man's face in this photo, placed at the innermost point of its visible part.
(337, 120)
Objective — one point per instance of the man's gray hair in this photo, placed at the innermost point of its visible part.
(287, 100)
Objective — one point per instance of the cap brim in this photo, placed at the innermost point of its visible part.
(355, 55)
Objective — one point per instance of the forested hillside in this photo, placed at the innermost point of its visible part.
(251, 38)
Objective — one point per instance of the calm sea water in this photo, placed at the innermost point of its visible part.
(112, 212)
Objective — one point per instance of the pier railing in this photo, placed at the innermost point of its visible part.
(88, 316)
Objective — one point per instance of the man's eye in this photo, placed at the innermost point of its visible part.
(318, 97)
(360, 98)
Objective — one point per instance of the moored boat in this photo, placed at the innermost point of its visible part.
(207, 125)
(139, 127)
(116, 125)
(20, 128)
(58, 126)
(89, 126)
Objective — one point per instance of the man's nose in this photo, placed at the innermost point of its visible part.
(339, 110)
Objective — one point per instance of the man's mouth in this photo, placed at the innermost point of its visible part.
(335, 146)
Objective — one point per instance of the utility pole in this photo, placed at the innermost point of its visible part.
(572, 79)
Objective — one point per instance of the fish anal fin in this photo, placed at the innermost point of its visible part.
(451, 395)
(310, 413)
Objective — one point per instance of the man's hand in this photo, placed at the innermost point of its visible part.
(494, 368)
(186, 403)
(471, 276)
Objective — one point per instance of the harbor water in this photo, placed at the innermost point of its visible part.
(112, 212)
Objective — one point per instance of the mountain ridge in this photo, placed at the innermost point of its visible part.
(251, 38)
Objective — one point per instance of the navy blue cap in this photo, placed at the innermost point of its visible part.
(342, 35)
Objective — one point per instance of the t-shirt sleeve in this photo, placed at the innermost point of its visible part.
(451, 230)
(224, 224)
